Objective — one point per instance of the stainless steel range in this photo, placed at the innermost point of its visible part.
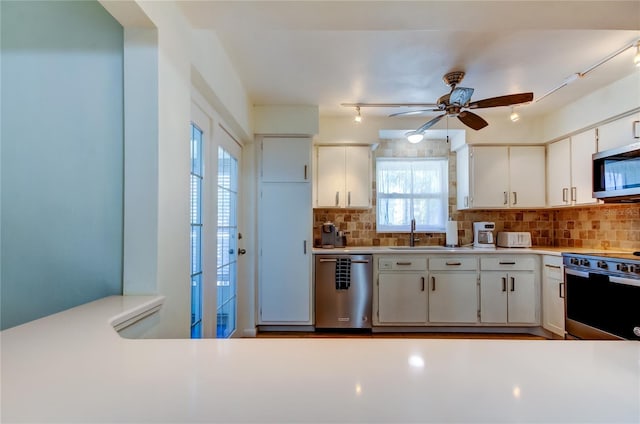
(602, 297)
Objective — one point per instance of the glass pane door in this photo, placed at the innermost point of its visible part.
(227, 269)
(196, 232)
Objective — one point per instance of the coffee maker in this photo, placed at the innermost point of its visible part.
(331, 237)
(483, 234)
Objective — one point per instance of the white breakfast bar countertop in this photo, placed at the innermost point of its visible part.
(466, 250)
(73, 367)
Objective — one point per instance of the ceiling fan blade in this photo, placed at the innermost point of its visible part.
(413, 112)
(472, 120)
(430, 123)
(460, 95)
(508, 100)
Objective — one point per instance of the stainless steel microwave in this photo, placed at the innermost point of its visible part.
(616, 174)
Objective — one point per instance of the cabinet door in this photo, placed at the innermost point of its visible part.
(402, 298)
(358, 176)
(285, 253)
(286, 159)
(583, 146)
(490, 177)
(453, 297)
(619, 132)
(462, 173)
(558, 172)
(553, 295)
(527, 176)
(493, 297)
(522, 299)
(330, 182)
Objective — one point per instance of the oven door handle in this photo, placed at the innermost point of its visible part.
(625, 281)
(576, 273)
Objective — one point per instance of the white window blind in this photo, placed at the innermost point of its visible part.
(416, 188)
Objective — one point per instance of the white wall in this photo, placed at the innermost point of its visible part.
(620, 97)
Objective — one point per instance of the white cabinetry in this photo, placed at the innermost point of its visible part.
(402, 294)
(343, 177)
(285, 223)
(553, 295)
(501, 177)
(619, 133)
(569, 173)
(509, 291)
(453, 290)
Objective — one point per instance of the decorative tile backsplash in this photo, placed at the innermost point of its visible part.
(595, 226)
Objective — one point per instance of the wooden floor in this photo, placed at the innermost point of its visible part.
(404, 335)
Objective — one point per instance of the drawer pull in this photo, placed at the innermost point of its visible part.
(404, 263)
(328, 260)
(507, 263)
(552, 266)
(453, 263)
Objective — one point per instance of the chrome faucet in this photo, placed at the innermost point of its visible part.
(412, 236)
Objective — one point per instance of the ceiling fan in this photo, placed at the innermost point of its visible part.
(457, 101)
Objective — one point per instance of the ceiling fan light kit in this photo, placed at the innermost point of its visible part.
(414, 137)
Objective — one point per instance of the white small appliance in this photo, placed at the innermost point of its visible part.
(514, 239)
(483, 234)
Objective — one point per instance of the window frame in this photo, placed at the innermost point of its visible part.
(443, 195)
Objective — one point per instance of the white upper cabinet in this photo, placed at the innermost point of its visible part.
(286, 160)
(343, 177)
(619, 133)
(569, 170)
(501, 177)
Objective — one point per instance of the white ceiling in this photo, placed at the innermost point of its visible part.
(330, 52)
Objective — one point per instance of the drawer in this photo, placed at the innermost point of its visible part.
(402, 263)
(453, 263)
(553, 267)
(508, 262)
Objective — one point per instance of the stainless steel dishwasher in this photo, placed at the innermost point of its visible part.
(343, 286)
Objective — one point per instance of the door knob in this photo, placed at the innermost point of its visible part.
(242, 251)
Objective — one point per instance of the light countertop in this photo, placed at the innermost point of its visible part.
(539, 250)
(73, 367)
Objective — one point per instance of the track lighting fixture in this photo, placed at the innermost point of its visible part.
(358, 117)
(514, 115)
(414, 137)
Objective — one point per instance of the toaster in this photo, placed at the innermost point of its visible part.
(514, 239)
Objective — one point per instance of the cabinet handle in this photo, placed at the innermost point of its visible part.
(552, 266)
(636, 129)
(515, 198)
(560, 293)
(506, 263)
(506, 197)
(422, 278)
(504, 284)
(433, 283)
(349, 198)
(574, 194)
(304, 246)
(453, 263)
(359, 261)
(466, 201)
(404, 263)
(305, 172)
(328, 260)
(565, 194)
(513, 283)
(337, 198)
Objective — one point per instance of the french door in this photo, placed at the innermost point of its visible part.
(215, 164)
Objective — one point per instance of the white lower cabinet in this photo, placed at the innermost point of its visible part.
(507, 297)
(453, 297)
(553, 295)
(402, 298)
(509, 290)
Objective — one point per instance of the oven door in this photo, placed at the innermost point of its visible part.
(599, 306)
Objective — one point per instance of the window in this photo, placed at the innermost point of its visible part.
(196, 232)
(416, 188)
